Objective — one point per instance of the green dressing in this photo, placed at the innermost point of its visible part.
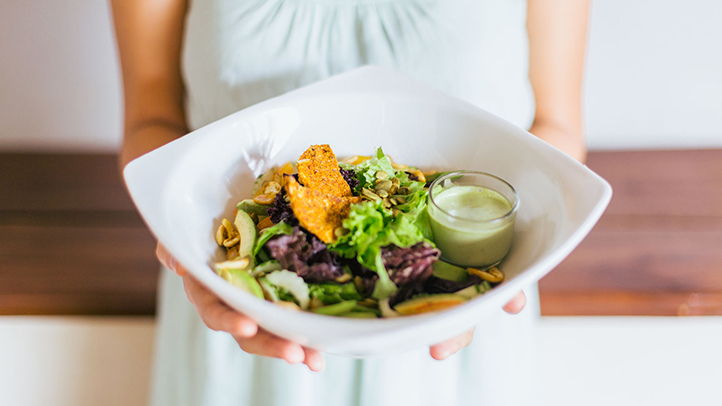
(470, 227)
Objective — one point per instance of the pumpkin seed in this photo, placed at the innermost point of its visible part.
(369, 194)
(400, 199)
(402, 191)
(393, 189)
(381, 175)
(384, 185)
(382, 193)
(396, 182)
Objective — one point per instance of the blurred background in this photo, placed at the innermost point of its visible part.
(631, 317)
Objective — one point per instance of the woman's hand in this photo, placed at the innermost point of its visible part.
(253, 340)
(219, 317)
(449, 347)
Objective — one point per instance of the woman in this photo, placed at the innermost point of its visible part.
(186, 64)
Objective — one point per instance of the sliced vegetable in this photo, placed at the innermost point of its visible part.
(335, 309)
(451, 272)
(247, 229)
(386, 310)
(242, 279)
(266, 267)
(251, 207)
(292, 283)
(430, 303)
(358, 315)
(363, 309)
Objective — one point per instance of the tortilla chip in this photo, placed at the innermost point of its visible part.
(318, 170)
(318, 212)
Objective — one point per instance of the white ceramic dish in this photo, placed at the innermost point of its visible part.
(183, 189)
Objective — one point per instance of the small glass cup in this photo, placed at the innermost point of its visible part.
(472, 217)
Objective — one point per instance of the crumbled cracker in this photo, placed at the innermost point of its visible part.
(318, 170)
(318, 212)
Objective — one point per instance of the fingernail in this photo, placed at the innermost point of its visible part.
(248, 330)
(442, 355)
(317, 365)
(295, 356)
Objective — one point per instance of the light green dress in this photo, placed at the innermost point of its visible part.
(241, 52)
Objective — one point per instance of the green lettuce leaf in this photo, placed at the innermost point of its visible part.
(366, 171)
(270, 232)
(415, 211)
(330, 293)
(371, 226)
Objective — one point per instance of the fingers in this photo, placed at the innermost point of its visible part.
(516, 304)
(219, 317)
(314, 360)
(167, 259)
(449, 347)
(268, 345)
(216, 314)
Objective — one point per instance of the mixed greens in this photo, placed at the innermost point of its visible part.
(380, 259)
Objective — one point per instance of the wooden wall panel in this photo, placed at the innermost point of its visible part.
(658, 248)
(71, 242)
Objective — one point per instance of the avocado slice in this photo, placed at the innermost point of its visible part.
(358, 315)
(247, 229)
(250, 207)
(469, 292)
(430, 303)
(242, 279)
(445, 270)
(336, 309)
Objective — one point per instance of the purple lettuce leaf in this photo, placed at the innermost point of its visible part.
(350, 177)
(306, 255)
(280, 210)
(440, 285)
(407, 267)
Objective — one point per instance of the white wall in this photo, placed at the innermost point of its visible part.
(59, 83)
(654, 76)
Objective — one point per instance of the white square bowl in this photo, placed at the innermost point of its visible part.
(183, 189)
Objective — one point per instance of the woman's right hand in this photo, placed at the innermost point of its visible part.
(220, 317)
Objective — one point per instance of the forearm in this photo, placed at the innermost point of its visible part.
(142, 140)
(557, 41)
(567, 141)
(149, 38)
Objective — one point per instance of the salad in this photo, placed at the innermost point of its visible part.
(349, 238)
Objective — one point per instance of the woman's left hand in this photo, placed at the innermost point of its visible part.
(449, 347)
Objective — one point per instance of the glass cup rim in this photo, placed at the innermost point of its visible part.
(456, 173)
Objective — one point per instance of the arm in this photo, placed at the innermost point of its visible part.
(557, 38)
(557, 41)
(149, 35)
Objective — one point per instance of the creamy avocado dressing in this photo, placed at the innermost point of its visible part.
(472, 225)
